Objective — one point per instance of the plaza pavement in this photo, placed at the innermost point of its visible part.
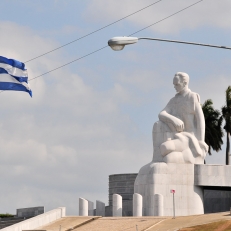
(188, 221)
(76, 223)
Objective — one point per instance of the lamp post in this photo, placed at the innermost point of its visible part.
(118, 43)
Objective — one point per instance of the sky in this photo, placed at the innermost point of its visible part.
(94, 117)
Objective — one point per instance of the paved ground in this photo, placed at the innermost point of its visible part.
(132, 223)
(65, 223)
(120, 224)
(187, 221)
(215, 226)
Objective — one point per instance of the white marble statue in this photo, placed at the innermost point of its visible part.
(178, 137)
(178, 141)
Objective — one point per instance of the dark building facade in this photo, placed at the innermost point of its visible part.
(122, 184)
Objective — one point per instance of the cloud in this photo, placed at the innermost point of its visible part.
(211, 14)
(65, 141)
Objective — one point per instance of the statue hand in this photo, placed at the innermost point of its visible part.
(179, 124)
(203, 145)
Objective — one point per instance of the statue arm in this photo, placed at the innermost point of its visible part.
(200, 122)
(173, 122)
(200, 130)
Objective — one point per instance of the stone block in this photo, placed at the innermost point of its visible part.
(100, 208)
(158, 205)
(172, 169)
(137, 205)
(180, 180)
(221, 170)
(83, 207)
(212, 175)
(117, 205)
(90, 208)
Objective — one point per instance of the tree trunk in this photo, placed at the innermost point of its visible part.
(227, 149)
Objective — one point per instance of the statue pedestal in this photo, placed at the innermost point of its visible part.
(160, 178)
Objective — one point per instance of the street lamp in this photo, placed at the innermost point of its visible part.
(118, 43)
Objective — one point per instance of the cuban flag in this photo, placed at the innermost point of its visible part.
(13, 75)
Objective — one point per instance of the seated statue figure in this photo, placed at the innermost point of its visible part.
(178, 136)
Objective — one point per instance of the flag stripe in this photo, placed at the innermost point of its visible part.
(14, 87)
(8, 78)
(13, 70)
(20, 79)
(13, 63)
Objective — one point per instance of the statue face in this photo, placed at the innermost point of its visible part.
(178, 85)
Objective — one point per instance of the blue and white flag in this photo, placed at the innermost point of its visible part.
(13, 75)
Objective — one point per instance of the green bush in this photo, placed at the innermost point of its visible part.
(6, 215)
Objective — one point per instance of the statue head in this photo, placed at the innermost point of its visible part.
(181, 81)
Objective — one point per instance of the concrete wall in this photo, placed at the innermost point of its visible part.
(38, 221)
(30, 212)
(212, 175)
(216, 182)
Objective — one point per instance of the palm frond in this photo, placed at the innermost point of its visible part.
(226, 110)
(213, 130)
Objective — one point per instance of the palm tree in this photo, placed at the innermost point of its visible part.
(213, 130)
(226, 113)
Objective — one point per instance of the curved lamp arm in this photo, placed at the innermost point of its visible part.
(118, 43)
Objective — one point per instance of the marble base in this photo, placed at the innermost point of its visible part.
(160, 178)
(100, 208)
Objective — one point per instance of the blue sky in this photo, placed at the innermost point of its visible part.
(94, 117)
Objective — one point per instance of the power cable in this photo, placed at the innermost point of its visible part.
(93, 31)
(107, 45)
(68, 63)
(166, 18)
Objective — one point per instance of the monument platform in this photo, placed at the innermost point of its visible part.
(188, 181)
(212, 175)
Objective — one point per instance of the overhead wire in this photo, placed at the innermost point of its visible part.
(95, 51)
(84, 36)
(69, 63)
(165, 18)
(107, 45)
